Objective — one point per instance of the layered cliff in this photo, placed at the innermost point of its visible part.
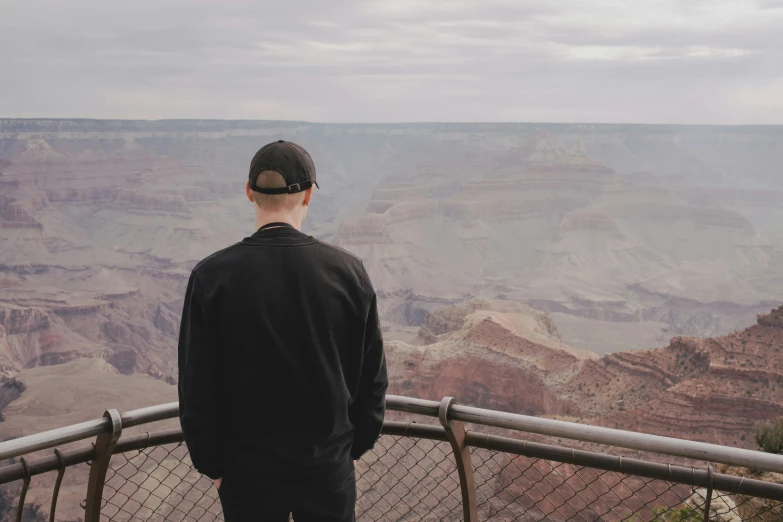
(505, 356)
(495, 354)
(607, 228)
(712, 389)
(541, 221)
(580, 220)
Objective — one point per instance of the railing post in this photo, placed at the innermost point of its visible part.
(104, 448)
(708, 500)
(57, 484)
(25, 486)
(455, 432)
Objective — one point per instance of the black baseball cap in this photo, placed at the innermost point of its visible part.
(287, 159)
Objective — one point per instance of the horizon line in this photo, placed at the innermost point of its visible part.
(310, 122)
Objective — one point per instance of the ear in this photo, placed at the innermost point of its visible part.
(308, 195)
(249, 192)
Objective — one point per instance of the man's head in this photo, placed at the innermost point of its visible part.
(280, 183)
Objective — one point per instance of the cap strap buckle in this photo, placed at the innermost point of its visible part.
(291, 188)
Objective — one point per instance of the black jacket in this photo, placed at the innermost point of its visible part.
(281, 365)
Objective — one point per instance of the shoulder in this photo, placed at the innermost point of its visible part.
(215, 261)
(338, 252)
(350, 261)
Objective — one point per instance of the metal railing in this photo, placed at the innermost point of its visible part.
(417, 471)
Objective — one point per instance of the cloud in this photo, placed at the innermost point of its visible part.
(677, 61)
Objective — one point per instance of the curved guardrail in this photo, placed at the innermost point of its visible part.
(472, 463)
(541, 426)
(84, 430)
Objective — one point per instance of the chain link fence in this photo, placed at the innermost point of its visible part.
(156, 484)
(414, 479)
(517, 488)
(401, 479)
(409, 479)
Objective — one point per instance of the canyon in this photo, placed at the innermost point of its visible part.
(684, 389)
(551, 256)
(499, 355)
(494, 354)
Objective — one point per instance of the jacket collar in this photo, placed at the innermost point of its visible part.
(274, 226)
(278, 230)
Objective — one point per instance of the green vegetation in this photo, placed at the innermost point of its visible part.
(682, 514)
(769, 436)
(664, 514)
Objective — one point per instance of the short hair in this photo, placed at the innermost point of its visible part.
(275, 202)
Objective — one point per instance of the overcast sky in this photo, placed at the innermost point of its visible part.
(638, 61)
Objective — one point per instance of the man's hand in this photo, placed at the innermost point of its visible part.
(218, 482)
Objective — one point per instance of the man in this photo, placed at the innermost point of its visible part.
(282, 373)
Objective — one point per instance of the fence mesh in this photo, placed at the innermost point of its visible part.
(518, 488)
(401, 479)
(416, 480)
(158, 483)
(408, 479)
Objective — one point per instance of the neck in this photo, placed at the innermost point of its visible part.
(268, 217)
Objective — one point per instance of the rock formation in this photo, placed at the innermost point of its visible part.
(595, 224)
(489, 353)
(687, 387)
(594, 229)
(505, 356)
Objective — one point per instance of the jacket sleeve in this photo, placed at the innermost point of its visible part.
(199, 383)
(369, 408)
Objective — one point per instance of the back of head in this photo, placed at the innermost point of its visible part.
(280, 182)
(277, 203)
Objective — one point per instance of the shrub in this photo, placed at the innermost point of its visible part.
(769, 436)
(682, 514)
